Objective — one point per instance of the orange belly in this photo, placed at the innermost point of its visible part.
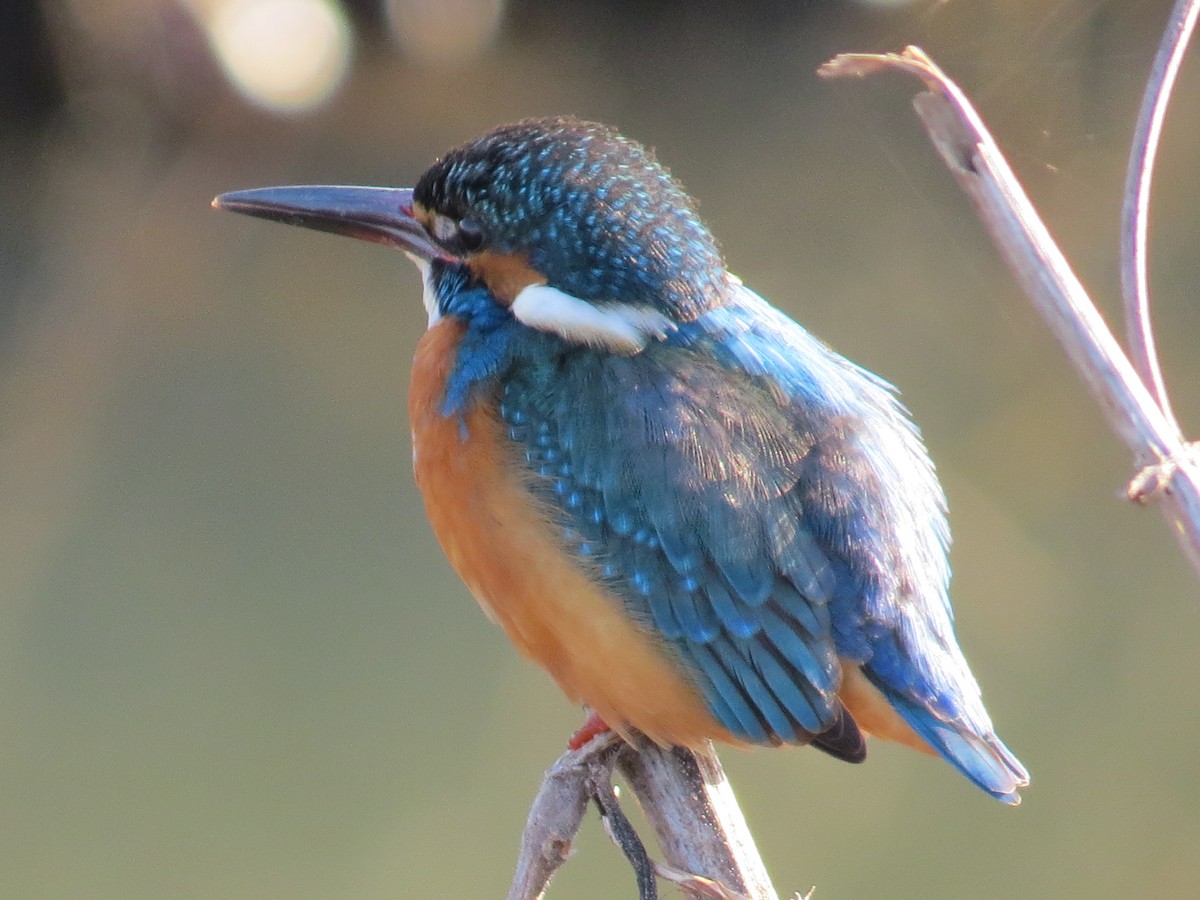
(504, 547)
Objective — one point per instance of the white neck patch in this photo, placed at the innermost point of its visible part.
(619, 327)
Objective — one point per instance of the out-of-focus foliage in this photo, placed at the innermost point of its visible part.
(232, 661)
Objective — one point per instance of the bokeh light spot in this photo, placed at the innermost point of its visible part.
(283, 55)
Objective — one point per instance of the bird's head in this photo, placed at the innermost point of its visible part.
(572, 228)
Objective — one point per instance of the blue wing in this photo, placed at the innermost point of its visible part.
(766, 507)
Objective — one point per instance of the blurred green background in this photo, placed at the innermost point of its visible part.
(233, 662)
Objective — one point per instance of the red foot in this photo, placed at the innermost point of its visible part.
(592, 727)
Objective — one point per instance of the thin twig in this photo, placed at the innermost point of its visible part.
(1170, 471)
(1135, 212)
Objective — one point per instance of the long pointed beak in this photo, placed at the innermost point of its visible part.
(381, 215)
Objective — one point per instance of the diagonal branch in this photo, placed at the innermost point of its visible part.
(1170, 471)
(1135, 213)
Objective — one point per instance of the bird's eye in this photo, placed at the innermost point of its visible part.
(459, 236)
(470, 235)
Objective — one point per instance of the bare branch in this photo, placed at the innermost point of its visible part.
(685, 796)
(1022, 238)
(1135, 212)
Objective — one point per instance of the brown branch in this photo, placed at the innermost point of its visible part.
(686, 798)
(1169, 469)
(1135, 212)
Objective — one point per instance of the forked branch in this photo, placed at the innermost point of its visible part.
(1167, 467)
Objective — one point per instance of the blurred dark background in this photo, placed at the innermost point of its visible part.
(232, 660)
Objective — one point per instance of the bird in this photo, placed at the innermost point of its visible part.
(702, 521)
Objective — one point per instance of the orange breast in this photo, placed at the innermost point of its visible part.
(505, 548)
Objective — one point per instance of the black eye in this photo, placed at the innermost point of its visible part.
(470, 235)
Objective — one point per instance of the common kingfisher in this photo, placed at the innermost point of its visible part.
(698, 518)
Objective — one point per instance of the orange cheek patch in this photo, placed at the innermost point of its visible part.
(505, 274)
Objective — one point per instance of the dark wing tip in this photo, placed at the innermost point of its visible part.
(843, 739)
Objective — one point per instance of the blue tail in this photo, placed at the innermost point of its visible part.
(981, 757)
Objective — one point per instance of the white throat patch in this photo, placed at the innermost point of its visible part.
(428, 294)
(619, 327)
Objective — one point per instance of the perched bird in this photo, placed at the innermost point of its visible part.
(702, 521)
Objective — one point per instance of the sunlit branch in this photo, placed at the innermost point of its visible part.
(1168, 468)
(1135, 213)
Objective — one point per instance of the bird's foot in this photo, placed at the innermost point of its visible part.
(594, 725)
